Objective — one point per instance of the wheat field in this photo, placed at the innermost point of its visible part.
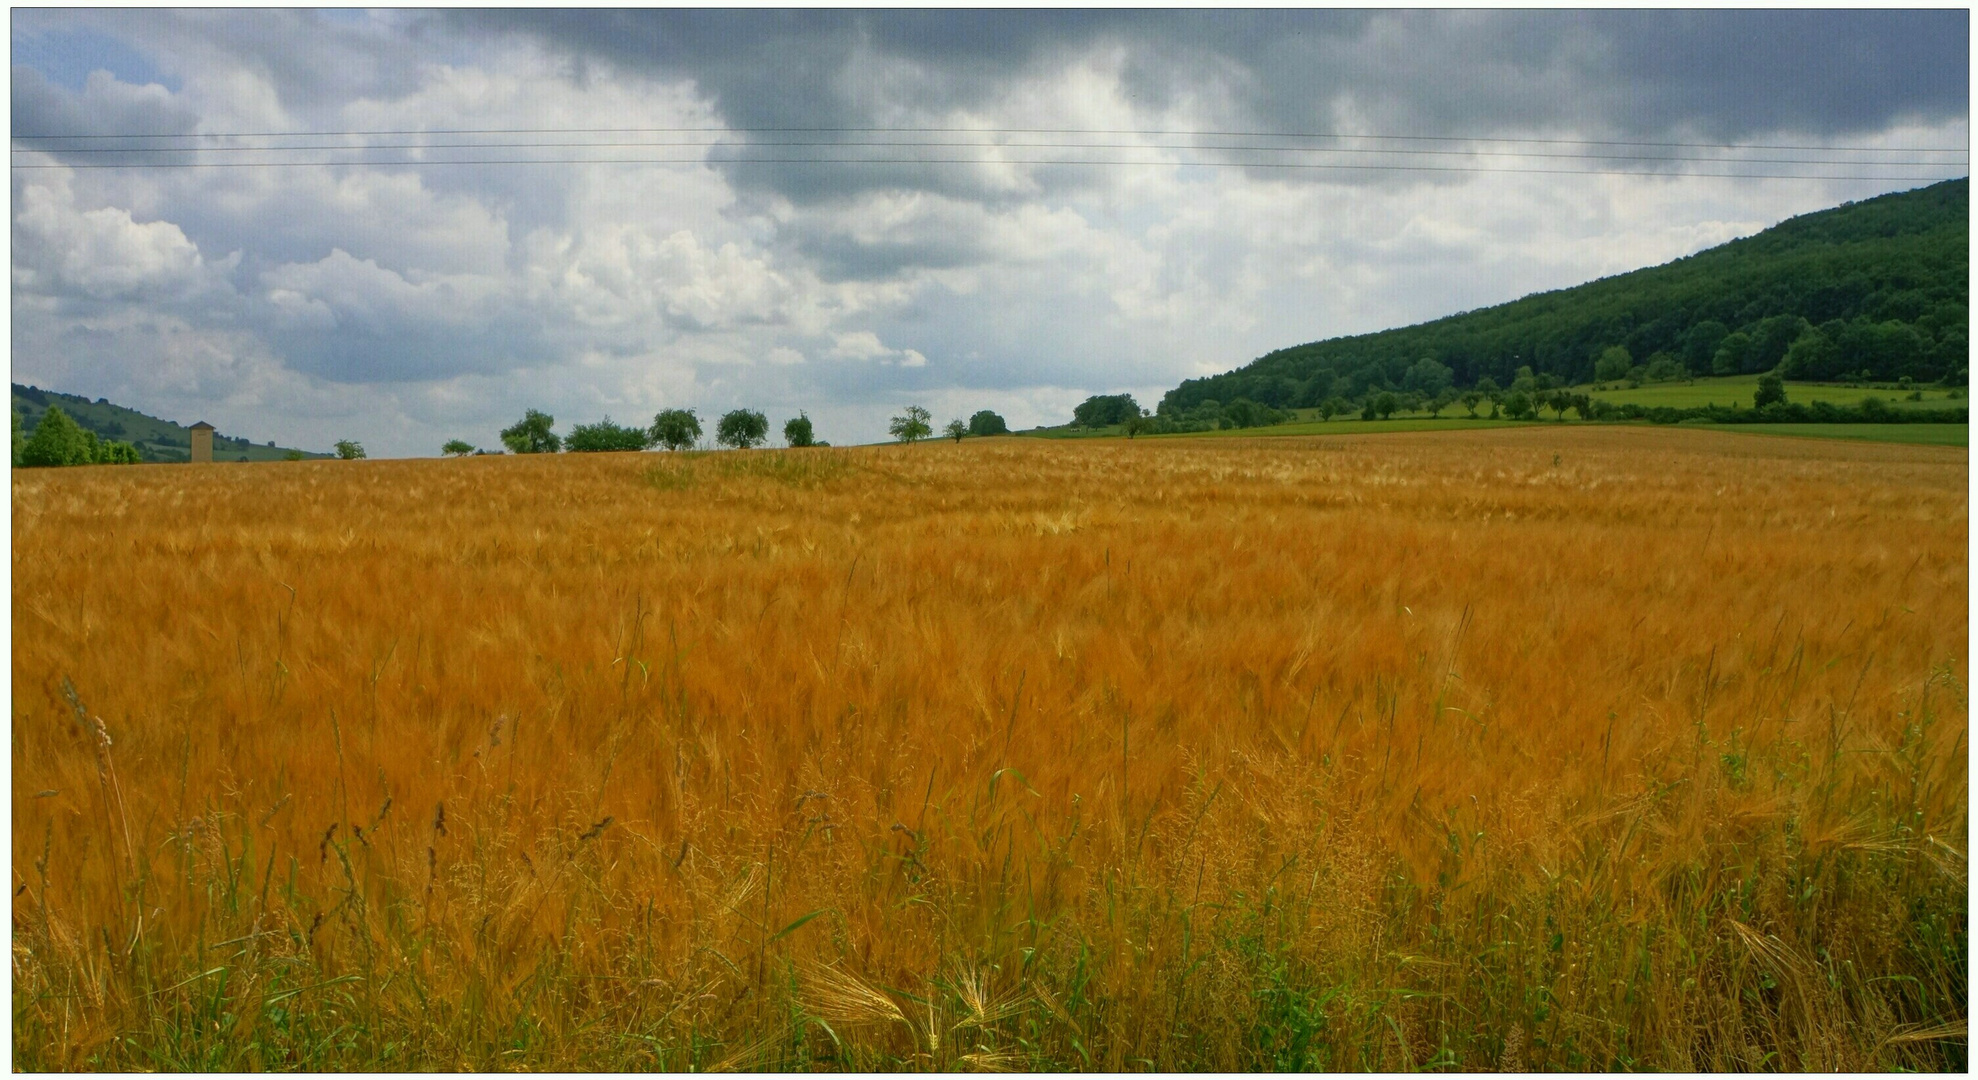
(1577, 748)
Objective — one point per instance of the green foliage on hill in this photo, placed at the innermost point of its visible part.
(153, 439)
(1876, 290)
(58, 440)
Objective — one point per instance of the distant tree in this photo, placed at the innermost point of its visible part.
(1136, 425)
(1558, 401)
(1613, 364)
(1771, 391)
(742, 429)
(1813, 356)
(987, 423)
(532, 434)
(605, 437)
(1663, 367)
(1105, 410)
(1488, 387)
(349, 449)
(1331, 407)
(1386, 404)
(1427, 377)
(1471, 399)
(957, 429)
(1583, 404)
(294, 455)
(1241, 413)
(1518, 405)
(797, 431)
(912, 425)
(1729, 359)
(1443, 399)
(1770, 340)
(1524, 382)
(57, 440)
(1700, 344)
(674, 429)
(457, 448)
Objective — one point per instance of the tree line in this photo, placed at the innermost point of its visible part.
(671, 429)
(1528, 397)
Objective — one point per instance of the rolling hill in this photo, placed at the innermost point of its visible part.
(1878, 289)
(156, 440)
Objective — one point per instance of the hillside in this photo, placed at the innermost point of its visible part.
(157, 440)
(1877, 289)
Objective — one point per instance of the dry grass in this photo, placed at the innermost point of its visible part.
(1581, 748)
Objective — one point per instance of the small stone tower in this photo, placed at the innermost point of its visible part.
(202, 441)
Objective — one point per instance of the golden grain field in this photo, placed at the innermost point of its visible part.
(1583, 748)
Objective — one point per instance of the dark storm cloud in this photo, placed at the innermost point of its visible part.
(1738, 74)
(1730, 75)
(41, 107)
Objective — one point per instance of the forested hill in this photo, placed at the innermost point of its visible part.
(155, 439)
(1877, 289)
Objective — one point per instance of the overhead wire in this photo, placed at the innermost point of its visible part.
(890, 144)
(167, 157)
(965, 161)
(1174, 132)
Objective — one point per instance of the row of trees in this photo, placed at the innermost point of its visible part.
(1527, 398)
(917, 423)
(680, 429)
(671, 429)
(1123, 412)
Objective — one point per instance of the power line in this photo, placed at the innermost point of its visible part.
(955, 161)
(1154, 132)
(844, 144)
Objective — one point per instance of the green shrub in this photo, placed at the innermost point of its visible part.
(987, 423)
(605, 437)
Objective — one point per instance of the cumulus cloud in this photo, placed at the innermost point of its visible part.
(865, 345)
(405, 300)
(103, 254)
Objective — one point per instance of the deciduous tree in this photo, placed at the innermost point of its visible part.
(532, 434)
(912, 425)
(674, 429)
(742, 429)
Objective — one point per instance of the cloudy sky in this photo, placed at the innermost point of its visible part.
(1038, 207)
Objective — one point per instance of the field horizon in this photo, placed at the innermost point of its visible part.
(1530, 747)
